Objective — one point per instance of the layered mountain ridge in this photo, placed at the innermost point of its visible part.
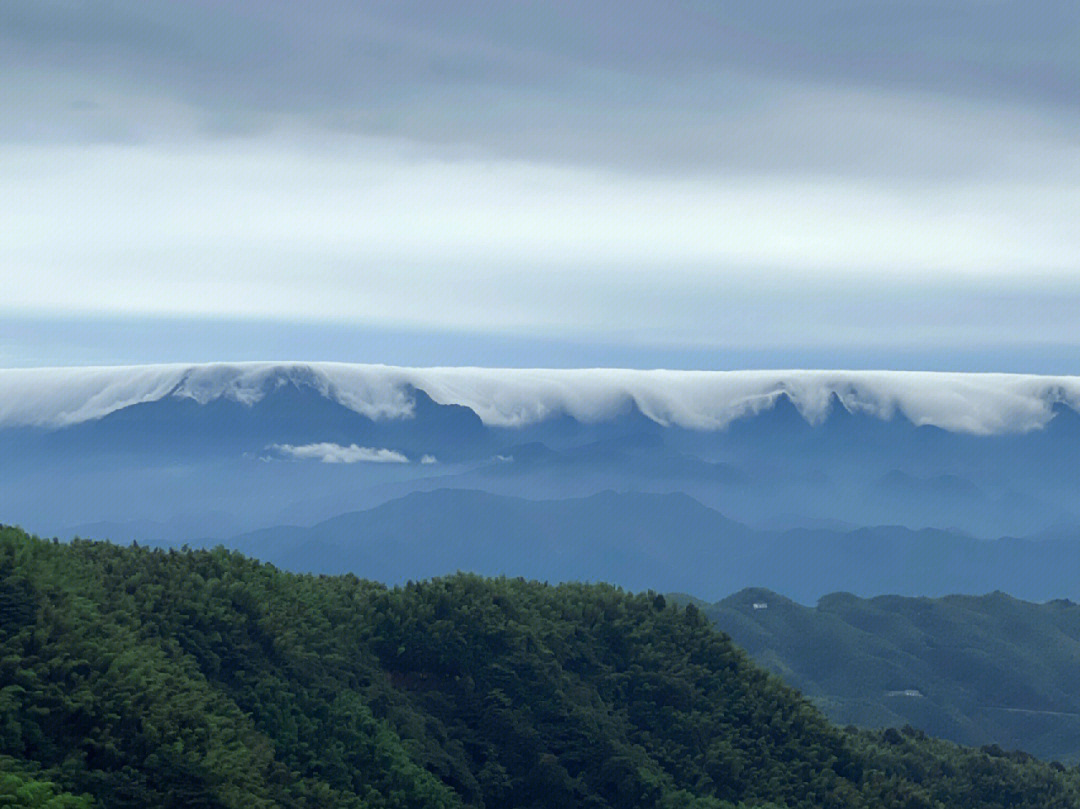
(638, 540)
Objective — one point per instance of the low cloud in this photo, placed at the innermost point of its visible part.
(336, 453)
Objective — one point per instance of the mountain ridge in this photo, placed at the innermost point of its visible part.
(976, 669)
(670, 542)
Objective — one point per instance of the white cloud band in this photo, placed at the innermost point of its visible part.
(509, 397)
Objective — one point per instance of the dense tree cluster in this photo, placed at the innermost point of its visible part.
(144, 678)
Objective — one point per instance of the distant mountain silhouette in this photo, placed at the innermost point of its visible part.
(941, 486)
(669, 542)
(628, 539)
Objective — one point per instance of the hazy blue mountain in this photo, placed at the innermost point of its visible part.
(946, 487)
(977, 670)
(605, 537)
(661, 541)
(635, 456)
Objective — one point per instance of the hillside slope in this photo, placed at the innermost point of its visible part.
(976, 670)
(204, 679)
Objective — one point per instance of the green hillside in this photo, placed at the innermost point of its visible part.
(139, 678)
(973, 669)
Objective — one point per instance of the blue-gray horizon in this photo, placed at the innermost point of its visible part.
(666, 180)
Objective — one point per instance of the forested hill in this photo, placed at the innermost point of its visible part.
(139, 678)
(974, 669)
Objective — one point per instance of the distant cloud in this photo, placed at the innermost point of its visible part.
(428, 459)
(336, 453)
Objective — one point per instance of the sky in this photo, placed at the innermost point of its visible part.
(768, 183)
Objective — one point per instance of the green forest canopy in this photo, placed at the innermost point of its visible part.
(139, 678)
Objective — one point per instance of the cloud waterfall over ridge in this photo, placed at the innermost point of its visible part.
(514, 397)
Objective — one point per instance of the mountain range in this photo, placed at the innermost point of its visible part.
(667, 542)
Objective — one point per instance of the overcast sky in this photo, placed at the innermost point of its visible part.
(696, 183)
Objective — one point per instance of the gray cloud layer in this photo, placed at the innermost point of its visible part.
(769, 85)
(754, 173)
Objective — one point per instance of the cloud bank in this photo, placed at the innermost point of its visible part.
(702, 400)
